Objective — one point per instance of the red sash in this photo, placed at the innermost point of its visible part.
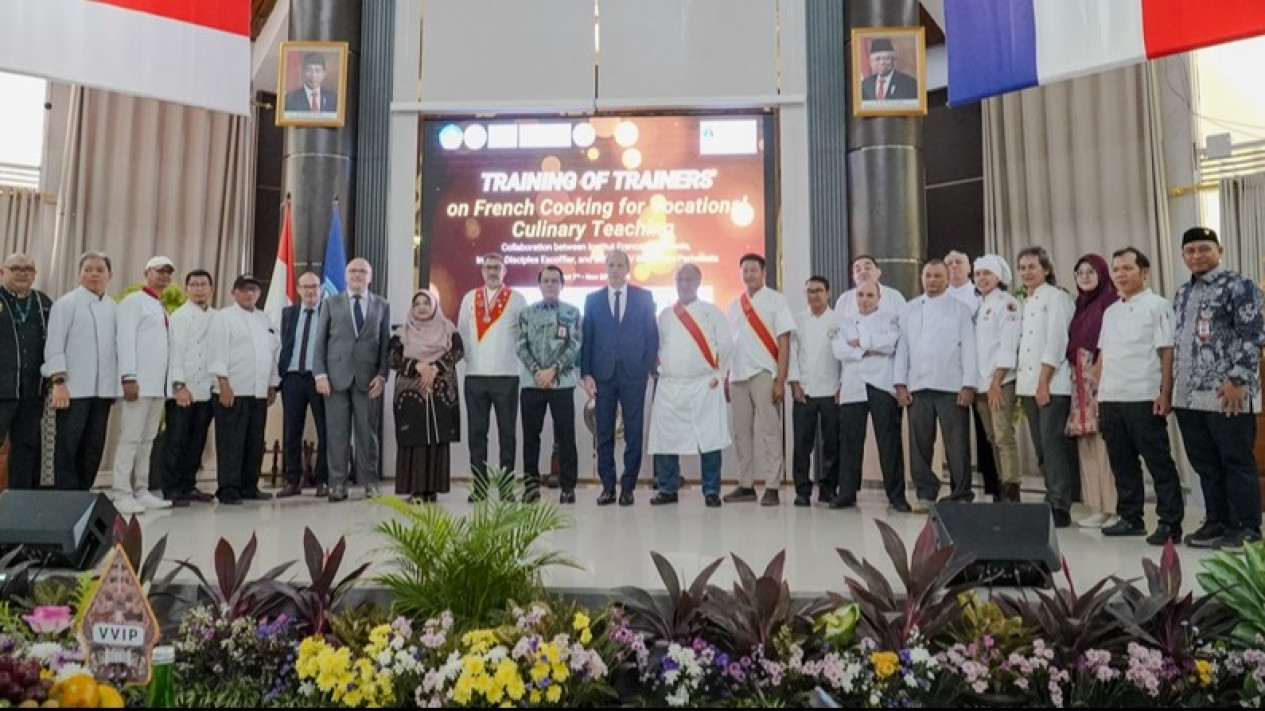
(483, 318)
(697, 334)
(757, 325)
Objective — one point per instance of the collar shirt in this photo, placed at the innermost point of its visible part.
(890, 301)
(244, 349)
(82, 343)
(1218, 337)
(937, 346)
(998, 326)
(966, 294)
(1133, 332)
(1047, 316)
(496, 354)
(190, 349)
(813, 364)
(294, 366)
(549, 336)
(751, 355)
(871, 362)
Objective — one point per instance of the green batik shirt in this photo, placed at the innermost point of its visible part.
(549, 337)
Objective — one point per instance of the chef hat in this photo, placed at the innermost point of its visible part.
(994, 264)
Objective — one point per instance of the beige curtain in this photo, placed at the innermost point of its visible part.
(1077, 167)
(141, 177)
(1243, 224)
(19, 219)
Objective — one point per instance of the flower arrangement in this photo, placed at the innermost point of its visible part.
(209, 653)
(332, 674)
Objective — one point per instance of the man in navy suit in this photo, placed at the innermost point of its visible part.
(617, 356)
(886, 83)
(312, 98)
(298, 387)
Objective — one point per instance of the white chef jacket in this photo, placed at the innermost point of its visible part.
(871, 363)
(688, 415)
(998, 325)
(937, 346)
(82, 343)
(144, 349)
(1047, 316)
(890, 301)
(813, 364)
(244, 348)
(190, 349)
(750, 354)
(497, 353)
(1133, 332)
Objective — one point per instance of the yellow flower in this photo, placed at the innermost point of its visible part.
(326, 681)
(539, 671)
(463, 690)
(553, 694)
(560, 673)
(535, 697)
(586, 636)
(885, 663)
(1203, 668)
(479, 640)
(472, 663)
(352, 698)
(514, 688)
(581, 621)
(549, 651)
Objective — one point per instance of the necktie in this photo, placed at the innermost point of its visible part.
(307, 331)
(360, 315)
(617, 310)
(316, 104)
(882, 89)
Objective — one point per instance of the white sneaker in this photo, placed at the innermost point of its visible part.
(127, 506)
(1111, 521)
(1098, 520)
(149, 501)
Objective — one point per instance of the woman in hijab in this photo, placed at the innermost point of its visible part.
(1095, 293)
(424, 354)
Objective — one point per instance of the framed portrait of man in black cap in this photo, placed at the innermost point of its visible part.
(889, 71)
(311, 84)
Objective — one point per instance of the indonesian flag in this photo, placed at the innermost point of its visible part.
(193, 52)
(996, 46)
(281, 290)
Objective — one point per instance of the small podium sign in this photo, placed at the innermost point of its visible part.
(119, 630)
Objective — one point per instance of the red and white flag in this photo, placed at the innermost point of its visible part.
(281, 290)
(193, 52)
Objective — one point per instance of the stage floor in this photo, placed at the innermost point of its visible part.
(612, 544)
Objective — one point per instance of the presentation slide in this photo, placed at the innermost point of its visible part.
(667, 190)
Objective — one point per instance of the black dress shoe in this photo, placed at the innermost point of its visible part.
(230, 501)
(179, 503)
(199, 496)
(1125, 527)
(661, 498)
(626, 497)
(1063, 519)
(846, 502)
(901, 507)
(802, 500)
(531, 496)
(322, 490)
(1165, 533)
(338, 495)
(289, 490)
(607, 498)
(256, 495)
(567, 497)
(712, 501)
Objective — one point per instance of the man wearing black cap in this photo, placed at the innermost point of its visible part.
(1217, 387)
(244, 348)
(885, 83)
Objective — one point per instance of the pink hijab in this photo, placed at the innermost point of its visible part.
(426, 340)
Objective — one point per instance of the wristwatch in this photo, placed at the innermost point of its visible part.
(59, 380)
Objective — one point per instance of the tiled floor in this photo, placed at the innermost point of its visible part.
(612, 544)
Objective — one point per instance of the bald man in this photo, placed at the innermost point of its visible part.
(23, 328)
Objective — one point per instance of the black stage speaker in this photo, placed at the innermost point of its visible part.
(1010, 543)
(59, 529)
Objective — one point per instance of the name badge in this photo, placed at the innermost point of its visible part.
(1204, 328)
(563, 331)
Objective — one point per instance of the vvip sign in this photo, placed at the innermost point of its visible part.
(119, 630)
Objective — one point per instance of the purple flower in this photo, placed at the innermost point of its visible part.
(722, 660)
(906, 657)
(543, 683)
(669, 664)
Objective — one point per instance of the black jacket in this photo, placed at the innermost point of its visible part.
(11, 387)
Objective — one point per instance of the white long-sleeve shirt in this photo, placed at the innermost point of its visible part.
(190, 350)
(1047, 316)
(813, 364)
(144, 347)
(998, 324)
(497, 353)
(82, 343)
(890, 301)
(750, 354)
(937, 346)
(871, 362)
(244, 349)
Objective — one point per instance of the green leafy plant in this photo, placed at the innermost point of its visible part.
(675, 617)
(928, 603)
(1237, 580)
(759, 609)
(235, 594)
(351, 626)
(1163, 617)
(472, 565)
(322, 595)
(173, 297)
(982, 618)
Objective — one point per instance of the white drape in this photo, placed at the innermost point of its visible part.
(1243, 224)
(19, 219)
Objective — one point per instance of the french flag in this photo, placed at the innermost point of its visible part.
(996, 46)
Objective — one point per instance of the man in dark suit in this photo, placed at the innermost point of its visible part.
(886, 83)
(298, 387)
(312, 98)
(621, 343)
(352, 335)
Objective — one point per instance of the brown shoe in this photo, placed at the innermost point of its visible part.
(289, 490)
(322, 490)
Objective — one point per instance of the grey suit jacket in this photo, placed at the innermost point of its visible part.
(342, 356)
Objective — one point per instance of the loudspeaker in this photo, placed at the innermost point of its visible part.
(1010, 543)
(60, 529)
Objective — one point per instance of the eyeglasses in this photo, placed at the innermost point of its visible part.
(815, 290)
(1086, 273)
(21, 270)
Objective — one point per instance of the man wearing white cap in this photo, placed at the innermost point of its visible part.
(141, 333)
(998, 323)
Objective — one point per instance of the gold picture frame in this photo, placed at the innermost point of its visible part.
(325, 65)
(902, 89)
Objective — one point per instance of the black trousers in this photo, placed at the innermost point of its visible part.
(1130, 430)
(807, 417)
(183, 444)
(20, 421)
(482, 394)
(984, 456)
(298, 393)
(561, 405)
(1220, 449)
(239, 445)
(882, 406)
(930, 406)
(81, 432)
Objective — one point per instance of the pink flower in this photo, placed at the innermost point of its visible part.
(50, 619)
